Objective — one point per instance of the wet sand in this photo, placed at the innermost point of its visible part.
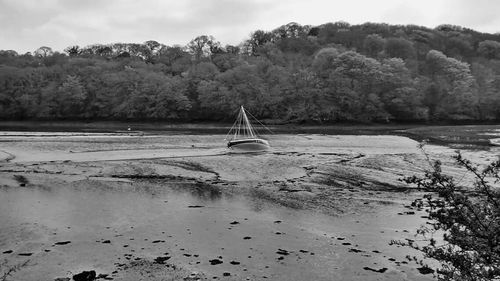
(153, 207)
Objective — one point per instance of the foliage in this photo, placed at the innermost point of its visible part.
(333, 72)
(467, 217)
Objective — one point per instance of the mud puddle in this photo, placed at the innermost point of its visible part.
(63, 231)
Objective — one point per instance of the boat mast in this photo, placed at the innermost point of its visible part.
(248, 127)
(242, 128)
(238, 124)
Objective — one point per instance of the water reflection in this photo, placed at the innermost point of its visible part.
(35, 218)
(205, 192)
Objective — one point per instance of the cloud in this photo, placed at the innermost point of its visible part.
(477, 14)
(29, 24)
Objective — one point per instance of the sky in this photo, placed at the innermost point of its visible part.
(26, 25)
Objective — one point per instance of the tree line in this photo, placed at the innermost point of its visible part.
(335, 72)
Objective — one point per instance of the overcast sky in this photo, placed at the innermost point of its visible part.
(26, 25)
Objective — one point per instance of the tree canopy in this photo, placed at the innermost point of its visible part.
(335, 72)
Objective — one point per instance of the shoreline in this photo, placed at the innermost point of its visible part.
(454, 136)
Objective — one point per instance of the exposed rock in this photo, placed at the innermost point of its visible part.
(161, 260)
(283, 252)
(382, 270)
(354, 250)
(85, 276)
(194, 276)
(425, 270)
(215, 262)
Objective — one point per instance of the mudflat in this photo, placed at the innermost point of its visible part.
(182, 207)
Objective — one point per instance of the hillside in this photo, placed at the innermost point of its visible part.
(335, 72)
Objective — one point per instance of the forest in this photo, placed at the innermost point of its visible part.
(335, 72)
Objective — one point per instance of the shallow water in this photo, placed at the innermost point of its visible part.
(83, 224)
(193, 228)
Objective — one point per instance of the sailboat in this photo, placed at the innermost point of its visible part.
(243, 136)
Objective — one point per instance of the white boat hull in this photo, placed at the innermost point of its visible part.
(249, 145)
(495, 142)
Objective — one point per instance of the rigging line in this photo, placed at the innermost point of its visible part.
(230, 130)
(239, 125)
(261, 123)
(248, 126)
(233, 128)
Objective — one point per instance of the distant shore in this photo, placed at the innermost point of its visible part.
(463, 136)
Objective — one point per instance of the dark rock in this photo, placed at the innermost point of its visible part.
(283, 252)
(215, 262)
(382, 270)
(8, 252)
(106, 242)
(353, 250)
(234, 222)
(25, 254)
(247, 237)
(234, 262)
(346, 244)
(195, 206)
(277, 221)
(194, 276)
(226, 274)
(85, 276)
(425, 270)
(303, 251)
(187, 255)
(340, 238)
(62, 243)
(63, 279)
(161, 260)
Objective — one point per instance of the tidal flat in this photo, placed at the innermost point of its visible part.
(179, 206)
